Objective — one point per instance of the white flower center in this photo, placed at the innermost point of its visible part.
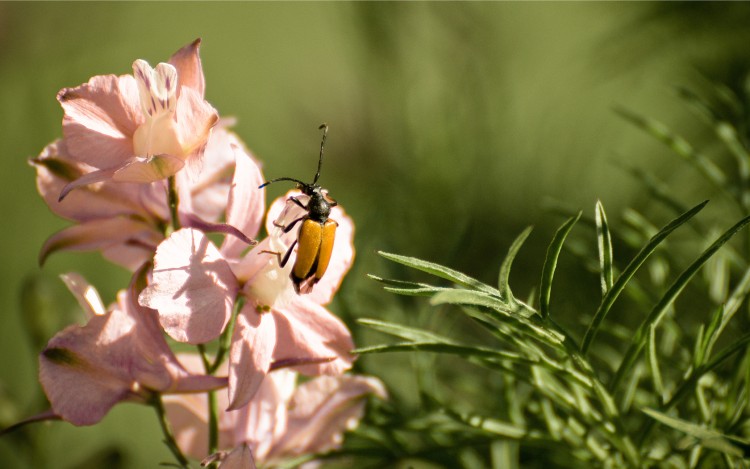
(157, 88)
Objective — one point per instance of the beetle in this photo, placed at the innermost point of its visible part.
(316, 234)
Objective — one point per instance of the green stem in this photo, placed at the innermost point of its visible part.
(158, 405)
(173, 201)
(213, 409)
(689, 382)
(226, 336)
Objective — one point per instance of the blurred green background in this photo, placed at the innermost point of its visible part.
(451, 126)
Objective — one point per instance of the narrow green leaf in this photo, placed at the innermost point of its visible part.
(653, 361)
(402, 287)
(604, 241)
(708, 336)
(504, 276)
(678, 145)
(498, 311)
(439, 347)
(640, 337)
(630, 270)
(440, 271)
(550, 263)
(405, 332)
(707, 437)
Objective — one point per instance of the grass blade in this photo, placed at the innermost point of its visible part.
(504, 276)
(667, 299)
(440, 271)
(550, 263)
(604, 241)
(622, 280)
(706, 437)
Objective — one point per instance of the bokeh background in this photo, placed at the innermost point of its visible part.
(452, 127)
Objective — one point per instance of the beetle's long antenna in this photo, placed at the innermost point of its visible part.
(282, 179)
(323, 126)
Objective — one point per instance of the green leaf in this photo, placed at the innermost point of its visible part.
(550, 263)
(679, 146)
(496, 310)
(409, 333)
(504, 276)
(630, 270)
(706, 437)
(440, 347)
(401, 287)
(657, 312)
(604, 241)
(440, 271)
(653, 361)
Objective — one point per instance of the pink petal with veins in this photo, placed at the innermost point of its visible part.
(187, 61)
(322, 409)
(307, 330)
(208, 193)
(55, 169)
(250, 354)
(194, 120)
(193, 287)
(246, 201)
(240, 458)
(100, 119)
(116, 356)
(100, 234)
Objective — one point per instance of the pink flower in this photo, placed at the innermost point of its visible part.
(123, 136)
(142, 127)
(195, 286)
(126, 221)
(119, 355)
(283, 420)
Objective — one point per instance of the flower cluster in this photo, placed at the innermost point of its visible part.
(145, 170)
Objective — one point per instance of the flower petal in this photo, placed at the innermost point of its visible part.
(86, 295)
(187, 61)
(101, 234)
(305, 329)
(195, 118)
(193, 287)
(206, 196)
(240, 458)
(147, 169)
(55, 169)
(250, 354)
(322, 409)
(246, 202)
(100, 119)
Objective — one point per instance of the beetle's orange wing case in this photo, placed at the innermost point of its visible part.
(308, 246)
(326, 247)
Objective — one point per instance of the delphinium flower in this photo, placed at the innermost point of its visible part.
(119, 355)
(109, 123)
(284, 420)
(146, 170)
(196, 286)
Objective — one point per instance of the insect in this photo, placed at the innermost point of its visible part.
(316, 233)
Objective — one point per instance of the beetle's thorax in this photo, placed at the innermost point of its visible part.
(318, 207)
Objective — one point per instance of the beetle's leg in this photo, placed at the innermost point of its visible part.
(288, 228)
(281, 260)
(296, 201)
(286, 256)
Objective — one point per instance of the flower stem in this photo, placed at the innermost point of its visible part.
(166, 429)
(173, 201)
(213, 410)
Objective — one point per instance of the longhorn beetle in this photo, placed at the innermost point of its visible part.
(316, 233)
